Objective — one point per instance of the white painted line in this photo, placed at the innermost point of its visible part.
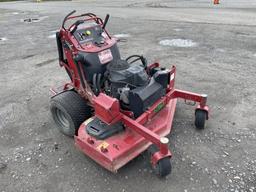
(121, 35)
(177, 29)
(220, 50)
(52, 36)
(3, 39)
(54, 31)
(178, 43)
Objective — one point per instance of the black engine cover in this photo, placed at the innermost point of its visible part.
(122, 73)
(143, 97)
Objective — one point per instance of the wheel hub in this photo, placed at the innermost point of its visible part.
(62, 119)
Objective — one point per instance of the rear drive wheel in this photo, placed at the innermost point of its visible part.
(69, 111)
(200, 118)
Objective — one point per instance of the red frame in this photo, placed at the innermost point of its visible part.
(150, 127)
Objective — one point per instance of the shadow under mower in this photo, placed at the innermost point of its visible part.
(115, 108)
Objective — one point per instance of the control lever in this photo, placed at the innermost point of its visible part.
(99, 42)
(105, 21)
(78, 22)
(71, 13)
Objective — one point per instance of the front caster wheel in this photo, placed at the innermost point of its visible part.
(200, 118)
(163, 167)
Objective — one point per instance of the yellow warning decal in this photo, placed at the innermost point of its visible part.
(88, 121)
(103, 145)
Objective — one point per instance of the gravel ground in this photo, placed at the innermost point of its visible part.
(214, 51)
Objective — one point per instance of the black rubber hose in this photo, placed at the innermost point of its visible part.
(139, 56)
(94, 84)
(77, 59)
(98, 82)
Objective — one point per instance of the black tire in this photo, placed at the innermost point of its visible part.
(69, 111)
(200, 118)
(163, 167)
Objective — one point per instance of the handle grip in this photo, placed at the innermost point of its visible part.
(71, 13)
(78, 22)
(105, 21)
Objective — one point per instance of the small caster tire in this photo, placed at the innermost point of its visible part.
(200, 118)
(163, 167)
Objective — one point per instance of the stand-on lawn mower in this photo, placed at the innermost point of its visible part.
(115, 108)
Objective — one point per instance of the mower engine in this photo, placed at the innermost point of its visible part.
(136, 89)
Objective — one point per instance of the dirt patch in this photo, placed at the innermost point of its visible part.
(31, 20)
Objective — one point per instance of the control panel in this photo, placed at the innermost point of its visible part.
(93, 34)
